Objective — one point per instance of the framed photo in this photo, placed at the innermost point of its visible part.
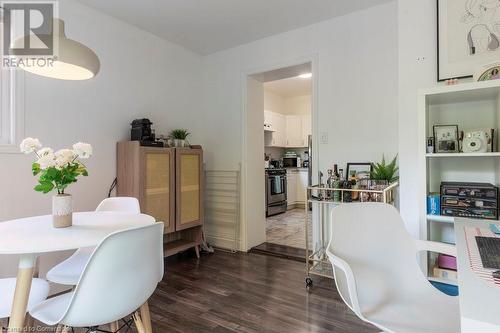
(358, 170)
(446, 138)
(488, 72)
(468, 36)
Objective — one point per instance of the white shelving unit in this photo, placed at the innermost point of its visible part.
(470, 106)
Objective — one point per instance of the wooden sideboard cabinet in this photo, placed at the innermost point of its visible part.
(168, 182)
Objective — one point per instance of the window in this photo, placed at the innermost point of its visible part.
(11, 108)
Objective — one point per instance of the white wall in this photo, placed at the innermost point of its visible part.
(417, 69)
(357, 62)
(273, 102)
(141, 76)
(298, 105)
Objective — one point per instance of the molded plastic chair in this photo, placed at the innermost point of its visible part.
(39, 292)
(121, 275)
(68, 272)
(377, 273)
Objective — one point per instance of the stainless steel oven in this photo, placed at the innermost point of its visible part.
(276, 194)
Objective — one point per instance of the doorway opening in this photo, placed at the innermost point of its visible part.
(280, 112)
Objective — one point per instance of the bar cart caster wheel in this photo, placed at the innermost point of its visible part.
(309, 282)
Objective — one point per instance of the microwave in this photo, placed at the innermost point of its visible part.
(291, 162)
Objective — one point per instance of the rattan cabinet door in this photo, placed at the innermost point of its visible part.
(189, 187)
(158, 198)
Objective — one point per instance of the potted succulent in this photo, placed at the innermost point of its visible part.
(385, 174)
(179, 136)
(56, 171)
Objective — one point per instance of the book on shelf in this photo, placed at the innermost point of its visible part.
(443, 273)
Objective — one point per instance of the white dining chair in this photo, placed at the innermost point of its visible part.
(68, 272)
(121, 275)
(377, 274)
(38, 293)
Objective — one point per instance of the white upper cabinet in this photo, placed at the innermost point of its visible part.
(286, 131)
(294, 137)
(306, 128)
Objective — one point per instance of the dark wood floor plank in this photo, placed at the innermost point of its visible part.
(247, 293)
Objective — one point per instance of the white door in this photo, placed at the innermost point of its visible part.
(291, 186)
(254, 190)
(294, 136)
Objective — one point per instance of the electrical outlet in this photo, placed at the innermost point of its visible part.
(324, 138)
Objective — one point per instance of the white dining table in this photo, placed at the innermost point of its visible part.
(32, 236)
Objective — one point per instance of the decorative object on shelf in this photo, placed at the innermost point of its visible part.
(478, 141)
(143, 132)
(179, 137)
(446, 137)
(488, 72)
(467, 36)
(359, 171)
(451, 82)
(433, 204)
(57, 171)
(430, 145)
(473, 200)
(72, 61)
(385, 172)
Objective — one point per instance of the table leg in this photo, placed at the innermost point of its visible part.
(22, 292)
(146, 317)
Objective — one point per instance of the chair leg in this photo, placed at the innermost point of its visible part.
(138, 323)
(114, 326)
(146, 318)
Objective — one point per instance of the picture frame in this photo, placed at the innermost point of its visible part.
(445, 138)
(467, 36)
(488, 72)
(361, 170)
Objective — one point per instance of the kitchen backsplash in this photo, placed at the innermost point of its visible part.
(277, 153)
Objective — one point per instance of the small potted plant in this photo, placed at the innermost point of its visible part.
(179, 137)
(385, 174)
(56, 171)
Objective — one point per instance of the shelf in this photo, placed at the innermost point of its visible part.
(440, 280)
(441, 219)
(464, 92)
(177, 246)
(439, 155)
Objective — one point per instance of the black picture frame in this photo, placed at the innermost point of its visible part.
(437, 148)
(439, 79)
(352, 164)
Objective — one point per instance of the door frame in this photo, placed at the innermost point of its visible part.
(313, 59)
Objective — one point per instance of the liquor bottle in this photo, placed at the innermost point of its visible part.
(329, 183)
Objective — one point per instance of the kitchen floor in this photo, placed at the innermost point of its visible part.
(287, 229)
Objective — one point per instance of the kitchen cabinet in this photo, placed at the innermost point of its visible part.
(294, 136)
(302, 180)
(291, 187)
(297, 180)
(168, 182)
(306, 128)
(279, 126)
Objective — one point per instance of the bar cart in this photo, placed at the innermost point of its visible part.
(324, 199)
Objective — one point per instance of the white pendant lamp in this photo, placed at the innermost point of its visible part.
(74, 61)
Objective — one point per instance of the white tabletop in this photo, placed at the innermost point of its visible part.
(479, 299)
(37, 235)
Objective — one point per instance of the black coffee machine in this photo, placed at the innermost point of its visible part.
(142, 132)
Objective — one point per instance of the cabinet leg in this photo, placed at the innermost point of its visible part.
(197, 249)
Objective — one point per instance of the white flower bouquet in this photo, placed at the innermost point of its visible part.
(56, 170)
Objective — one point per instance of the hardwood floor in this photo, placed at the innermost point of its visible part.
(248, 293)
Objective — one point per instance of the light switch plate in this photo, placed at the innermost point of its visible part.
(324, 138)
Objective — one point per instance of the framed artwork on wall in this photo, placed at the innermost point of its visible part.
(468, 36)
(359, 171)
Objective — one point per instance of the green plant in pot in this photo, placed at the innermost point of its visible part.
(384, 173)
(179, 137)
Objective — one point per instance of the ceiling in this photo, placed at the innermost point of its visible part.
(207, 26)
(291, 87)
